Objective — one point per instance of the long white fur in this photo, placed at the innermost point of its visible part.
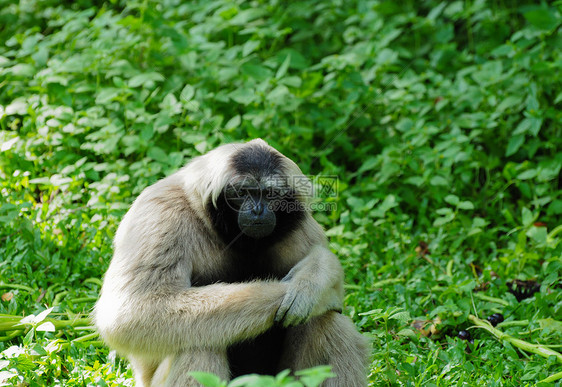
(149, 312)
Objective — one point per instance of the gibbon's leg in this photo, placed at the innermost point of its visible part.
(143, 370)
(328, 339)
(204, 360)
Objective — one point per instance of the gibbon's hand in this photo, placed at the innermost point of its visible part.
(302, 302)
(297, 305)
(307, 295)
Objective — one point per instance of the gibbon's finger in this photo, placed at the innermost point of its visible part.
(297, 306)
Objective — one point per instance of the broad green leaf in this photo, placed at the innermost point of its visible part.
(438, 181)
(106, 95)
(514, 144)
(403, 317)
(527, 217)
(452, 199)
(22, 70)
(157, 154)
(528, 174)
(292, 81)
(146, 79)
(187, 93)
(283, 68)
(444, 211)
(256, 71)
(250, 46)
(443, 220)
(279, 95)
(207, 379)
(247, 15)
(538, 234)
(544, 19)
(244, 96)
(233, 123)
(490, 73)
(368, 165)
(466, 205)
(415, 180)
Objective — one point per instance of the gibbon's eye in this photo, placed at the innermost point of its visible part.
(236, 196)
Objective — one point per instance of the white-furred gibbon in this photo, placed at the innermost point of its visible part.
(221, 268)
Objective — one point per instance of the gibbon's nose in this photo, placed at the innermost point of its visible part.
(258, 209)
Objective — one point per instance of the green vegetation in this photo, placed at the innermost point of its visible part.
(441, 120)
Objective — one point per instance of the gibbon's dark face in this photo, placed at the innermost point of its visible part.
(256, 208)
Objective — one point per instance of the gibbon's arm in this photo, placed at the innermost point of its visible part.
(148, 306)
(315, 287)
(212, 316)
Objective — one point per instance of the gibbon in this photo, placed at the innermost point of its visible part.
(221, 268)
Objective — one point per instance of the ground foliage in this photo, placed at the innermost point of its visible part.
(441, 120)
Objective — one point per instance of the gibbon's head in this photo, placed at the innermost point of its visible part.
(255, 195)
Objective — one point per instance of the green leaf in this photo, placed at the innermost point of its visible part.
(368, 165)
(438, 181)
(207, 379)
(415, 180)
(187, 93)
(527, 217)
(452, 199)
(403, 317)
(17, 106)
(233, 123)
(543, 19)
(256, 71)
(244, 96)
(157, 154)
(538, 234)
(555, 207)
(489, 74)
(550, 323)
(514, 144)
(444, 211)
(409, 333)
(466, 205)
(279, 95)
(245, 16)
(249, 47)
(388, 203)
(23, 70)
(283, 68)
(28, 339)
(443, 220)
(528, 174)
(146, 79)
(107, 95)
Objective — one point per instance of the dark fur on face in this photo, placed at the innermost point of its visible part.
(255, 165)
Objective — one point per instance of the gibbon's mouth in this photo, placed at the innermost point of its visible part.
(258, 230)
